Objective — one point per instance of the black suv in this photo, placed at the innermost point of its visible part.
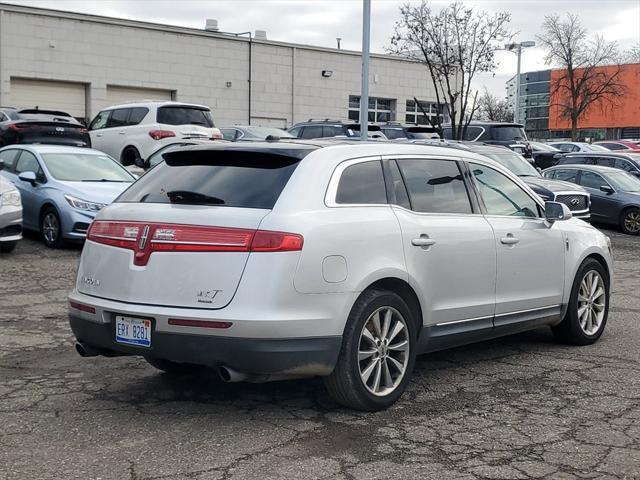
(397, 130)
(41, 126)
(510, 135)
(629, 162)
(332, 128)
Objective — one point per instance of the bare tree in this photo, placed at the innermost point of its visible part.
(583, 82)
(493, 108)
(633, 54)
(455, 44)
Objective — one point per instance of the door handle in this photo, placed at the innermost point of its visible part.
(98, 134)
(423, 241)
(122, 133)
(509, 239)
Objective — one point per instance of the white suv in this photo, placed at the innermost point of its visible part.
(344, 260)
(135, 130)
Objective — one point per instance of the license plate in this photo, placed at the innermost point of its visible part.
(133, 331)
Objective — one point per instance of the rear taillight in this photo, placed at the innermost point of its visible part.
(82, 307)
(160, 134)
(198, 323)
(19, 126)
(146, 238)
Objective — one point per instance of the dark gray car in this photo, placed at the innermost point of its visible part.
(629, 162)
(615, 194)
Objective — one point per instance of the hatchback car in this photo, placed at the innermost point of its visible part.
(10, 215)
(135, 130)
(629, 162)
(41, 126)
(62, 188)
(343, 260)
(615, 195)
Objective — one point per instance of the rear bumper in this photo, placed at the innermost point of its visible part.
(291, 356)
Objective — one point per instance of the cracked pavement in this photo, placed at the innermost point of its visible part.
(520, 407)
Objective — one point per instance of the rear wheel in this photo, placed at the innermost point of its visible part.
(378, 353)
(129, 156)
(51, 228)
(173, 367)
(7, 247)
(588, 308)
(630, 221)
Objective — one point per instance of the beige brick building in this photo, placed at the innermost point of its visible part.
(82, 63)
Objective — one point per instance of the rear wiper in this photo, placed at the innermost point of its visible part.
(185, 196)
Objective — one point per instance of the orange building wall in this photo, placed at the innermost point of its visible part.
(626, 114)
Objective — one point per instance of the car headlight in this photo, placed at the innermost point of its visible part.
(83, 204)
(12, 197)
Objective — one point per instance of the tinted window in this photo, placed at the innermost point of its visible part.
(567, 175)
(100, 121)
(435, 186)
(473, 133)
(295, 131)
(228, 179)
(501, 195)
(331, 131)
(312, 131)
(397, 191)
(118, 118)
(625, 165)
(605, 161)
(184, 116)
(574, 160)
(591, 180)
(9, 159)
(613, 146)
(136, 115)
(27, 162)
(507, 133)
(83, 167)
(392, 133)
(362, 183)
(229, 133)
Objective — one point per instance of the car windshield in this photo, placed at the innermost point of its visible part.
(624, 182)
(85, 167)
(543, 147)
(185, 116)
(507, 132)
(264, 132)
(514, 162)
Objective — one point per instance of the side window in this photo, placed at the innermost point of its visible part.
(566, 147)
(228, 133)
(3, 117)
(501, 195)
(613, 146)
(362, 183)
(395, 186)
(472, 133)
(118, 118)
(137, 115)
(331, 131)
(626, 165)
(575, 160)
(312, 131)
(9, 158)
(393, 133)
(27, 162)
(592, 180)
(567, 175)
(605, 161)
(435, 186)
(295, 131)
(100, 121)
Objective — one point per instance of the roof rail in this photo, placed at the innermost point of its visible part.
(325, 120)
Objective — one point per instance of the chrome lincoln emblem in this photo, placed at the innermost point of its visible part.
(59, 129)
(143, 237)
(575, 201)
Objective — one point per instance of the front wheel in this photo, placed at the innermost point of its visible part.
(51, 228)
(630, 221)
(588, 307)
(378, 353)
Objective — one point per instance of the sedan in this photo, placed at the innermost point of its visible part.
(252, 133)
(62, 188)
(569, 147)
(615, 195)
(10, 216)
(624, 145)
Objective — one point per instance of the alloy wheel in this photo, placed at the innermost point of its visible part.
(591, 302)
(383, 351)
(632, 221)
(50, 228)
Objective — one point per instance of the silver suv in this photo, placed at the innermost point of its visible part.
(342, 260)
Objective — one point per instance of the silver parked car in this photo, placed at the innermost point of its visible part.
(338, 259)
(62, 188)
(10, 215)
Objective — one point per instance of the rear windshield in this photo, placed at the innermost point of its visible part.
(508, 132)
(184, 116)
(252, 181)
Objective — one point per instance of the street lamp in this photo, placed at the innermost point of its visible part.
(517, 49)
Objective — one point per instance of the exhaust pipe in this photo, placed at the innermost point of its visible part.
(87, 351)
(231, 376)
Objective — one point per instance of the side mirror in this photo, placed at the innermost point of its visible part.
(539, 170)
(139, 162)
(28, 177)
(556, 211)
(1, 164)
(607, 189)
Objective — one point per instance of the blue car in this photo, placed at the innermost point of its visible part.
(62, 188)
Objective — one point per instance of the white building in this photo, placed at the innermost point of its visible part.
(81, 63)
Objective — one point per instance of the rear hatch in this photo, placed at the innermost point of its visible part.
(188, 121)
(181, 235)
(50, 129)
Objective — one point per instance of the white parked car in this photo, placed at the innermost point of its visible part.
(136, 130)
(285, 259)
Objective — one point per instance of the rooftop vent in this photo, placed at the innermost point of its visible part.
(260, 35)
(211, 25)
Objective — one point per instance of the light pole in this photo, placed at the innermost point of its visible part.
(364, 89)
(517, 49)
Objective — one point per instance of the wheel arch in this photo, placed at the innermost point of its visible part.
(124, 150)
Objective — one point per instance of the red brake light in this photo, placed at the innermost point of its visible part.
(19, 126)
(146, 238)
(160, 134)
(82, 307)
(199, 323)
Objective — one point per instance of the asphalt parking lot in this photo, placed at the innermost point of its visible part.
(515, 408)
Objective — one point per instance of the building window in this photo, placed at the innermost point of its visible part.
(414, 113)
(380, 109)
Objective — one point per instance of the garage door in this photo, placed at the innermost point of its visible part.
(48, 95)
(118, 94)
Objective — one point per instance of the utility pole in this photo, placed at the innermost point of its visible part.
(364, 89)
(517, 49)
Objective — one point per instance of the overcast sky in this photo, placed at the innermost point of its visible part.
(319, 22)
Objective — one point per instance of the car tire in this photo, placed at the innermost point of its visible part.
(168, 366)
(51, 228)
(7, 247)
(381, 322)
(588, 309)
(129, 156)
(630, 221)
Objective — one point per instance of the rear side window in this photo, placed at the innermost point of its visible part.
(227, 179)
(362, 183)
(435, 186)
(605, 161)
(184, 116)
(331, 131)
(137, 115)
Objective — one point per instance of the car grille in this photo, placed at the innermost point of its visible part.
(575, 202)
